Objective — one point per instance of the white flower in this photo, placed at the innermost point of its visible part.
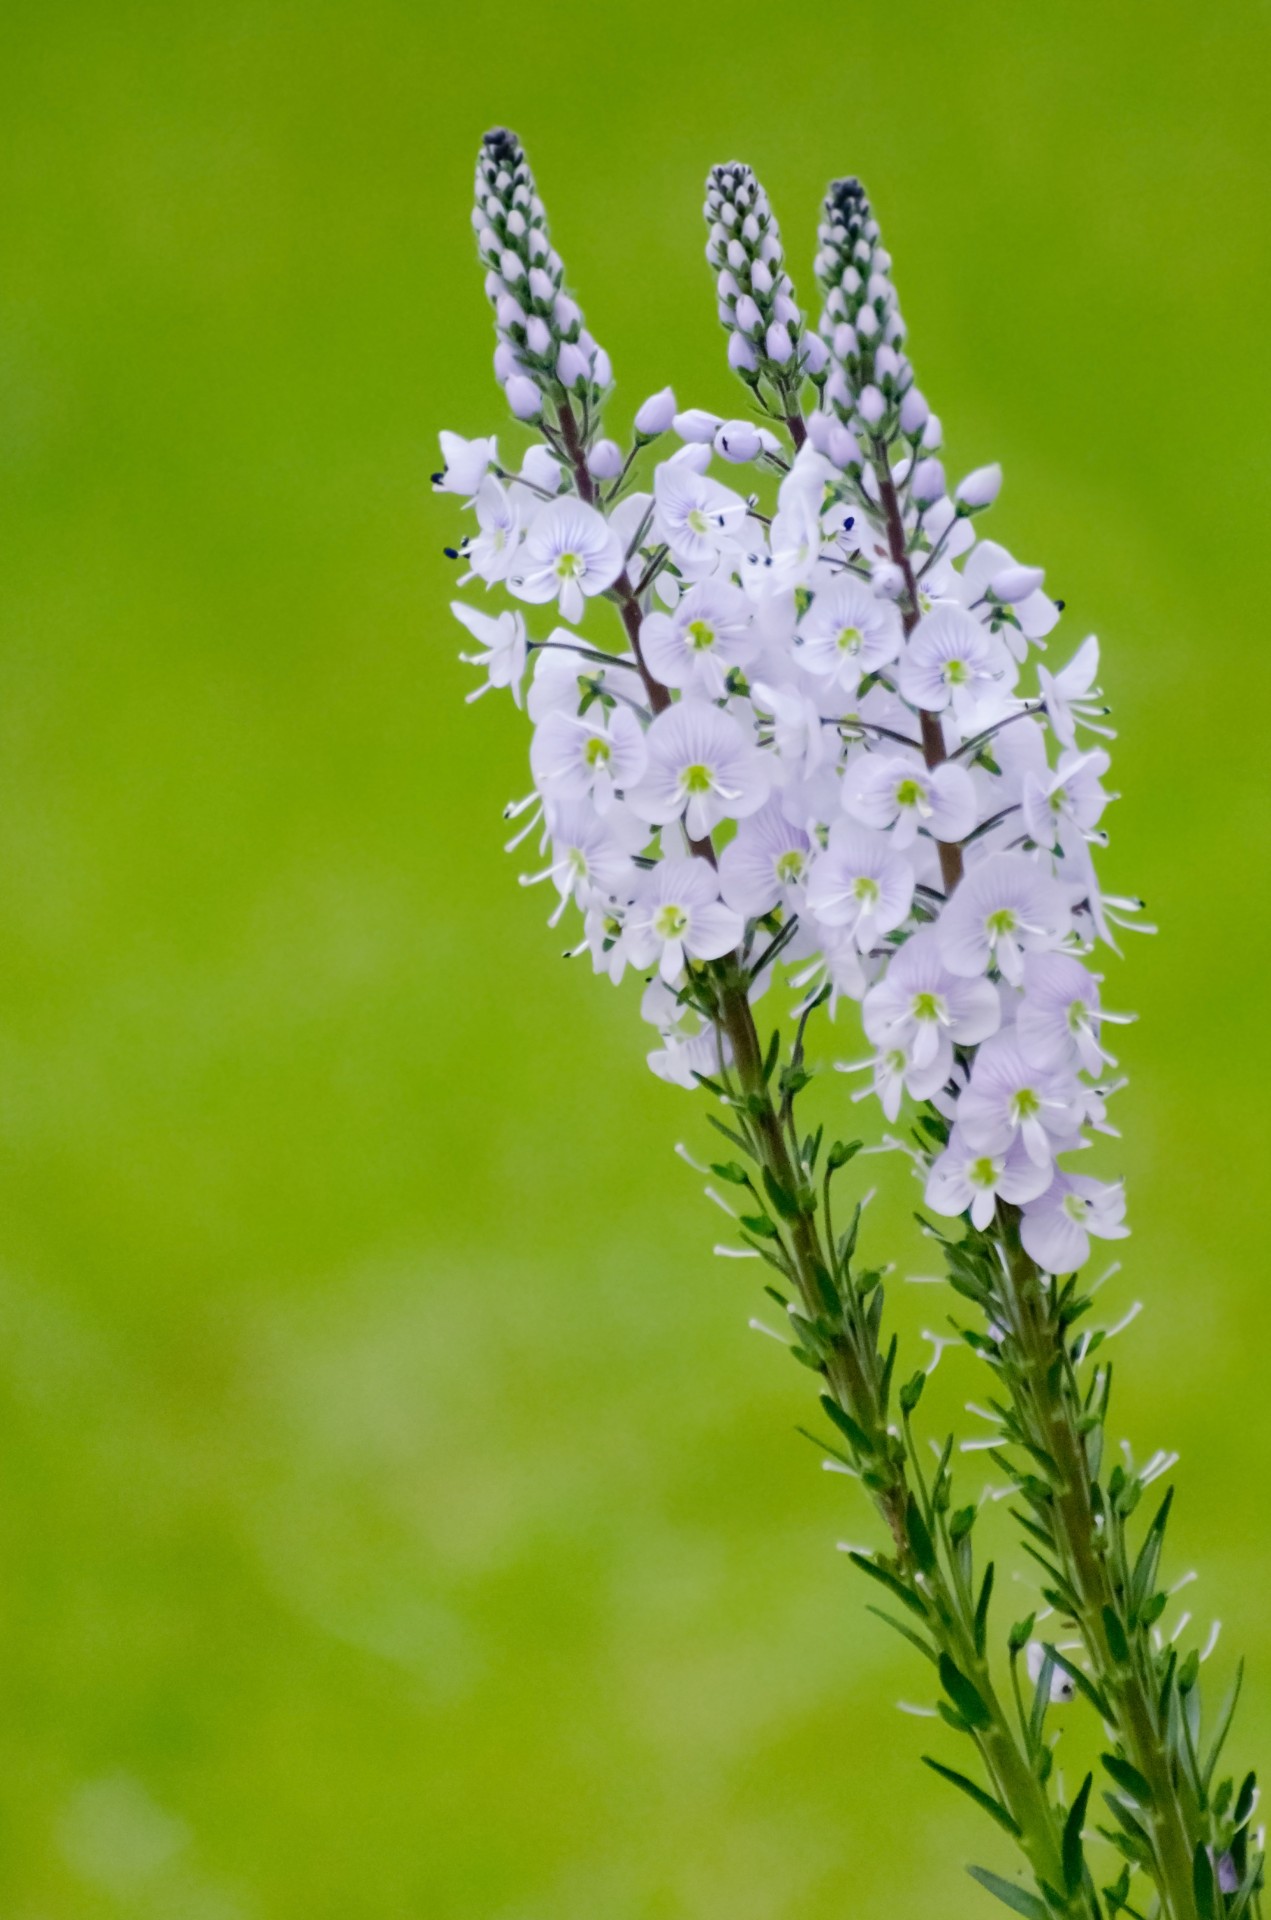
(765, 864)
(696, 646)
(952, 661)
(965, 1178)
(466, 463)
(847, 633)
(697, 517)
(589, 862)
(590, 755)
(682, 1056)
(920, 1007)
(887, 790)
(502, 636)
(1009, 1099)
(701, 767)
(678, 913)
(1071, 695)
(1005, 906)
(800, 742)
(570, 553)
(860, 883)
(1057, 1226)
(491, 553)
(1059, 1019)
(1071, 793)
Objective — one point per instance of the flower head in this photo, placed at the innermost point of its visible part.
(570, 552)
(861, 883)
(679, 915)
(702, 769)
(1006, 906)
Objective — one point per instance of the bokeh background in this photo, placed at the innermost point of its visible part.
(397, 1518)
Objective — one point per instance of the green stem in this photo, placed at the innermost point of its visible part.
(1048, 1403)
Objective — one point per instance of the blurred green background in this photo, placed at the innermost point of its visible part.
(396, 1517)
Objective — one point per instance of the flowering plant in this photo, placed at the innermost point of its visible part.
(823, 763)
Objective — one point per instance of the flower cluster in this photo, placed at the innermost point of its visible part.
(819, 741)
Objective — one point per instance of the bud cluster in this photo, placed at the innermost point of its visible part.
(871, 383)
(544, 350)
(768, 339)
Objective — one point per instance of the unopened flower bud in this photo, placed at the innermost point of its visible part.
(980, 488)
(571, 365)
(914, 412)
(606, 460)
(871, 406)
(815, 355)
(657, 413)
(928, 482)
(742, 357)
(778, 343)
(738, 441)
(524, 397)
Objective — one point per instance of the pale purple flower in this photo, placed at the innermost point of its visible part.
(504, 648)
(1059, 1019)
(678, 914)
(888, 790)
(847, 632)
(922, 1008)
(702, 767)
(967, 1179)
(860, 883)
(1071, 696)
(592, 755)
(952, 661)
(570, 553)
(491, 553)
(588, 860)
(765, 864)
(697, 645)
(465, 464)
(1008, 1099)
(1057, 1226)
(1072, 793)
(697, 517)
(1006, 906)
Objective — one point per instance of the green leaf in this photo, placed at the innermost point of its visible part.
(1144, 1576)
(1074, 1857)
(1118, 1646)
(1021, 1633)
(888, 1579)
(846, 1425)
(1225, 1718)
(760, 1225)
(1203, 1882)
(906, 1633)
(964, 1695)
(782, 1199)
(1018, 1899)
(730, 1170)
(911, 1392)
(919, 1537)
(992, 1807)
(982, 1609)
(840, 1153)
(1128, 1778)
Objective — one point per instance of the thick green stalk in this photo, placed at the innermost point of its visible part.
(1049, 1406)
(853, 1373)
